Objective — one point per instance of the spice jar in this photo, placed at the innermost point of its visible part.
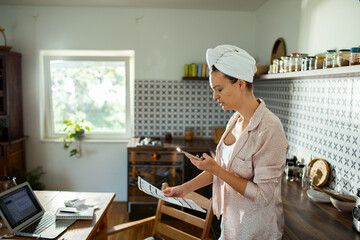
(355, 56)
(275, 65)
(286, 64)
(281, 64)
(319, 62)
(329, 59)
(343, 58)
(293, 61)
(312, 63)
(305, 64)
(188, 135)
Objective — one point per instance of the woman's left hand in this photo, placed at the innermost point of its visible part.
(207, 163)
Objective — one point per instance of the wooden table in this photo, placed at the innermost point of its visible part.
(307, 219)
(81, 229)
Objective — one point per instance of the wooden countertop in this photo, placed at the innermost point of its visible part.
(195, 145)
(307, 219)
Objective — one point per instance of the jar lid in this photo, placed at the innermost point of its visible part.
(320, 57)
(355, 49)
(330, 51)
(344, 50)
(292, 54)
(290, 164)
(311, 56)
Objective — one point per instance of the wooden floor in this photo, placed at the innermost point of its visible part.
(117, 214)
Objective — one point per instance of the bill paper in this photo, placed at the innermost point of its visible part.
(155, 192)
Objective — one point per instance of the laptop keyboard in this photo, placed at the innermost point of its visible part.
(41, 224)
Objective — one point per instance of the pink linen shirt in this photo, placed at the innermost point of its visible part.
(259, 156)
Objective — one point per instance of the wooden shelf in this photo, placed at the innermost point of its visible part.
(195, 78)
(350, 71)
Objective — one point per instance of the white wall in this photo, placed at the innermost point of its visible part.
(308, 26)
(163, 40)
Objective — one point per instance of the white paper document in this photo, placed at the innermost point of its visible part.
(153, 191)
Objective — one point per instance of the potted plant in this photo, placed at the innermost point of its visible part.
(75, 131)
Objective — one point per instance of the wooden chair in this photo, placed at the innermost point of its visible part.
(155, 225)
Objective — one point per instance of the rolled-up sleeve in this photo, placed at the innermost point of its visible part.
(268, 164)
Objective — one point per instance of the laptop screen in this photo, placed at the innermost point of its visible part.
(19, 205)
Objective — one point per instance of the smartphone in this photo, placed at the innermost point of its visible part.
(186, 153)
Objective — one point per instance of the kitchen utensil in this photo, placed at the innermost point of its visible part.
(278, 50)
(319, 171)
(335, 196)
(318, 196)
(343, 206)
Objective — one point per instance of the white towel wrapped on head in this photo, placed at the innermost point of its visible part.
(232, 61)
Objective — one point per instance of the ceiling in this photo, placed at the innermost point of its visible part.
(234, 5)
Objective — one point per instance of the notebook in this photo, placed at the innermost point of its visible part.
(69, 213)
(24, 215)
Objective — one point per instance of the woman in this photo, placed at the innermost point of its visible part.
(250, 157)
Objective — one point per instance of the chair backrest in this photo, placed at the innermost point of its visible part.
(161, 228)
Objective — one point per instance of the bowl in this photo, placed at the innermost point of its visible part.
(343, 206)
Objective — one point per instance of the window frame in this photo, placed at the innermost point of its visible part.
(46, 121)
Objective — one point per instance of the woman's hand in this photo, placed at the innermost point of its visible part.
(207, 163)
(178, 191)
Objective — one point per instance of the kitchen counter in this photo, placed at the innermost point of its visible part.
(307, 219)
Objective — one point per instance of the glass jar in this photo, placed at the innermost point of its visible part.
(300, 171)
(329, 58)
(276, 66)
(343, 58)
(293, 62)
(319, 61)
(286, 64)
(305, 64)
(290, 171)
(281, 64)
(312, 63)
(355, 56)
(188, 134)
(271, 69)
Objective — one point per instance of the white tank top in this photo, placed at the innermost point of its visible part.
(225, 152)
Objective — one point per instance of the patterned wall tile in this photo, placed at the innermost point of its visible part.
(173, 106)
(322, 116)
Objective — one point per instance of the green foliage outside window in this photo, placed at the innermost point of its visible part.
(91, 90)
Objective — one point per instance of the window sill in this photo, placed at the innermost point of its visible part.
(339, 72)
(54, 140)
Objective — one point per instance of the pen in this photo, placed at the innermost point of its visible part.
(68, 211)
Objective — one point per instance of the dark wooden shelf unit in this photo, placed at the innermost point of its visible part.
(12, 139)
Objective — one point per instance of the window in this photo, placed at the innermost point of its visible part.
(96, 86)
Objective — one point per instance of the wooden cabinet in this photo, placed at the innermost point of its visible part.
(12, 140)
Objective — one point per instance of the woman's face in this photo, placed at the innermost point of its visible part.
(227, 94)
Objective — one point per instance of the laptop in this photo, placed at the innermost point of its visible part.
(24, 216)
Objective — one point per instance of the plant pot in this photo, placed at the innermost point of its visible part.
(80, 135)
